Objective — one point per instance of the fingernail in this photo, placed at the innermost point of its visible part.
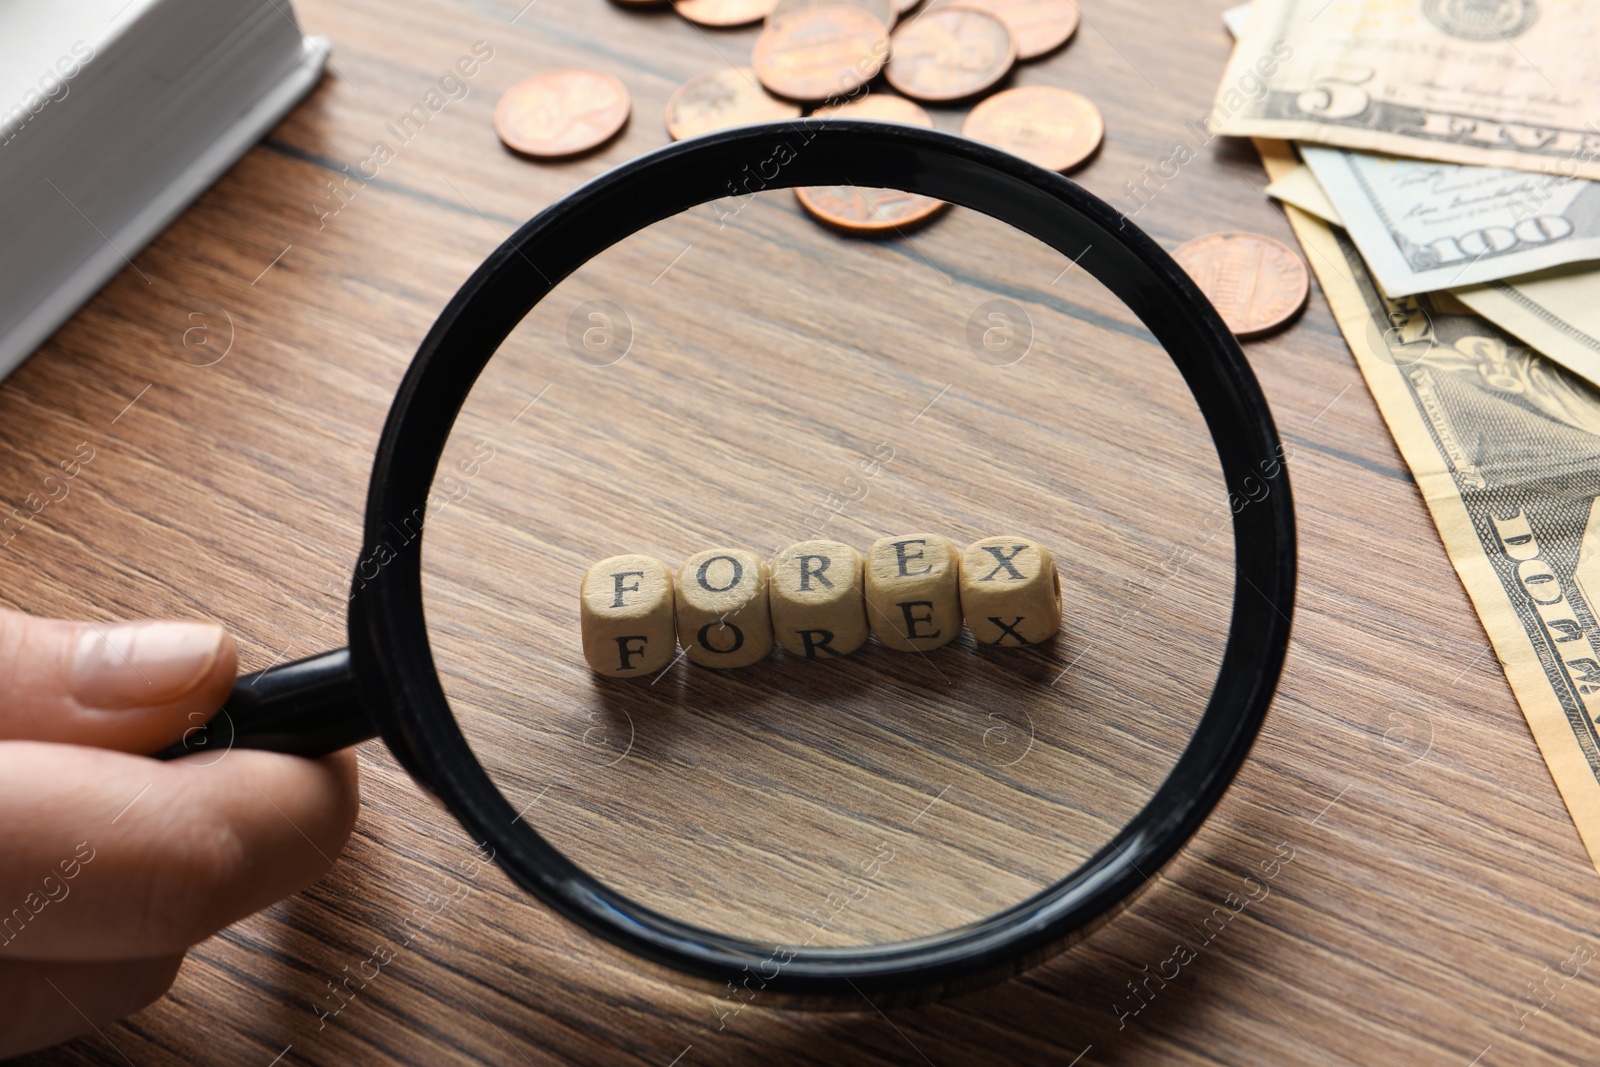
(141, 664)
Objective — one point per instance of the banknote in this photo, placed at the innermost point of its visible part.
(1422, 225)
(1301, 188)
(1505, 448)
(1496, 83)
(1236, 19)
(1557, 312)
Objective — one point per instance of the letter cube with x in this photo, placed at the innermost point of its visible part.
(1010, 591)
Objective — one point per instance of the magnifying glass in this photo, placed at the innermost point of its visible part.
(902, 825)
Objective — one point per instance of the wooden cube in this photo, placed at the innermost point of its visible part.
(913, 591)
(626, 607)
(1010, 591)
(817, 606)
(723, 615)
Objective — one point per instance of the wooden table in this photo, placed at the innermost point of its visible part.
(1408, 870)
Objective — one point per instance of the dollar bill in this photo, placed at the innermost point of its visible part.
(1497, 83)
(1422, 225)
(1300, 188)
(1236, 19)
(1556, 312)
(1505, 447)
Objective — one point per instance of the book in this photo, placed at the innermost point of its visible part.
(114, 116)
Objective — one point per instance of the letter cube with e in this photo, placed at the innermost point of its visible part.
(723, 614)
(627, 610)
(1010, 591)
(913, 592)
(817, 606)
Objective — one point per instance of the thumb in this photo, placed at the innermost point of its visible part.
(130, 686)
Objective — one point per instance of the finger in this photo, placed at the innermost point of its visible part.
(113, 856)
(130, 686)
(46, 1003)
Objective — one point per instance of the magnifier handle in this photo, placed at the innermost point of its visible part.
(305, 708)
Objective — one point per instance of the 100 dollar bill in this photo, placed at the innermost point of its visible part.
(1555, 312)
(1505, 448)
(1423, 225)
(1508, 83)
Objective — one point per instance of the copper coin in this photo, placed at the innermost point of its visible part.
(862, 210)
(721, 101)
(1039, 26)
(1055, 128)
(561, 112)
(817, 53)
(1256, 283)
(950, 53)
(884, 11)
(879, 106)
(723, 13)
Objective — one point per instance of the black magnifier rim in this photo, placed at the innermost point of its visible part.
(388, 640)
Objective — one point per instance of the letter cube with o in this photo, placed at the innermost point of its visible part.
(723, 615)
(1010, 591)
(817, 606)
(627, 610)
(913, 592)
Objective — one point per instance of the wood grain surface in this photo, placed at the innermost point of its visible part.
(1391, 875)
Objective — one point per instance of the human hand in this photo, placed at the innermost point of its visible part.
(112, 864)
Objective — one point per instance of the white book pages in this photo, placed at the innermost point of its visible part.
(172, 93)
(37, 53)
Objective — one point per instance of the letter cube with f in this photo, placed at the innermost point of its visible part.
(913, 593)
(1010, 591)
(627, 610)
(723, 614)
(817, 606)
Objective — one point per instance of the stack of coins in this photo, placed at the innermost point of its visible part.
(825, 56)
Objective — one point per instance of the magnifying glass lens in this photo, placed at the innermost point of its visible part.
(740, 376)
